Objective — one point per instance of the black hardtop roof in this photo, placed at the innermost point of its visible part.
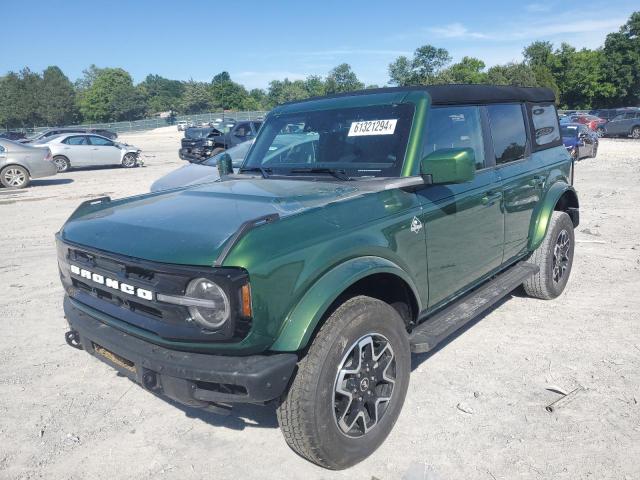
(461, 94)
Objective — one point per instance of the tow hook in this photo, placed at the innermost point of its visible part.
(73, 339)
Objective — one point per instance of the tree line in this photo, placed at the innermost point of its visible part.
(608, 76)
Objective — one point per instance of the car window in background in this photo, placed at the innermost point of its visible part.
(545, 124)
(507, 132)
(99, 141)
(455, 127)
(569, 130)
(79, 140)
(256, 126)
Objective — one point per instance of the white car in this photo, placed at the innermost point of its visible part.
(82, 150)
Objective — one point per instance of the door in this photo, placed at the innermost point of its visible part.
(241, 133)
(104, 151)
(77, 149)
(521, 180)
(464, 223)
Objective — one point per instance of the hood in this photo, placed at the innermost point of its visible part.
(570, 141)
(190, 226)
(186, 175)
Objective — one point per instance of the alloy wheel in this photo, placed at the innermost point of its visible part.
(635, 133)
(15, 177)
(364, 385)
(561, 256)
(61, 164)
(129, 160)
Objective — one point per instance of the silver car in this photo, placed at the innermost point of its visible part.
(21, 163)
(85, 150)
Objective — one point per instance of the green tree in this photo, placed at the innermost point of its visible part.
(315, 86)
(196, 97)
(342, 79)
(161, 93)
(111, 97)
(468, 70)
(259, 96)
(56, 98)
(19, 96)
(621, 63)
(281, 91)
(422, 69)
(517, 74)
(229, 95)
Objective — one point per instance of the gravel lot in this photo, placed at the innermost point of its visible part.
(475, 409)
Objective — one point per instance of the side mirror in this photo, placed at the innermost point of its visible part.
(448, 165)
(225, 165)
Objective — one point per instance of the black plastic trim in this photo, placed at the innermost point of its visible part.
(241, 232)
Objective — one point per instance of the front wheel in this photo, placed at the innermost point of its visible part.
(635, 133)
(129, 160)
(600, 132)
(554, 257)
(350, 387)
(14, 176)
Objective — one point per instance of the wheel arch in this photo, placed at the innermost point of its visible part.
(560, 197)
(373, 276)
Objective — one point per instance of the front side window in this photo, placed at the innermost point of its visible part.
(507, 132)
(545, 124)
(99, 141)
(455, 127)
(361, 142)
(76, 140)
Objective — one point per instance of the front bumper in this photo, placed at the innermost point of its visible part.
(194, 379)
(193, 155)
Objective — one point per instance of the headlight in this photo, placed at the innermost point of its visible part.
(209, 143)
(213, 308)
(207, 303)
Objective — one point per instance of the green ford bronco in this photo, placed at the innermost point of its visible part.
(361, 227)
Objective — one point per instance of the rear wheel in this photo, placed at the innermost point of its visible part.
(61, 163)
(635, 132)
(554, 257)
(129, 160)
(14, 176)
(349, 388)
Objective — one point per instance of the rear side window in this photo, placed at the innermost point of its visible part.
(76, 141)
(545, 124)
(455, 127)
(508, 132)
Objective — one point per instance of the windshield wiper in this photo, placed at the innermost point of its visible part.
(339, 174)
(263, 171)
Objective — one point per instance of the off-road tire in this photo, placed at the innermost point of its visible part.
(62, 163)
(14, 176)
(542, 284)
(129, 160)
(635, 133)
(306, 412)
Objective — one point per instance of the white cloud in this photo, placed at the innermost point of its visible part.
(538, 7)
(456, 30)
(260, 79)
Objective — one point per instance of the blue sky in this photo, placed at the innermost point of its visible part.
(261, 41)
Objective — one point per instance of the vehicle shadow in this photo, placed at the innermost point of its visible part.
(53, 181)
(241, 416)
(418, 359)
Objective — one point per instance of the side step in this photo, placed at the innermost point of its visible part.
(434, 330)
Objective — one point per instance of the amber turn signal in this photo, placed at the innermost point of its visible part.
(245, 296)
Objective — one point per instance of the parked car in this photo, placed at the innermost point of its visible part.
(308, 278)
(52, 132)
(201, 143)
(579, 140)
(19, 164)
(10, 135)
(76, 150)
(626, 124)
(202, 172)
(182, 125)
(594, 123)
(605, 113)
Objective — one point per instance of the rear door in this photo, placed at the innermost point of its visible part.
(104, 151)
(520, 178)
(77, 149)
(464, 223)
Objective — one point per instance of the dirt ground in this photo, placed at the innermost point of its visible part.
(475, 409)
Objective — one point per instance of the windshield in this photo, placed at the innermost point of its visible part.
(197, 132)
(569, 130)
(236, 153)
(361, 142)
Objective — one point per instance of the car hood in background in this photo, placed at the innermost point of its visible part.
(190, 226)
(186, 175)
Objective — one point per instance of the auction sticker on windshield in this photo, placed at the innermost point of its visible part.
(372, 127)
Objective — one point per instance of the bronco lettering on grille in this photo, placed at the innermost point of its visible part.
(112, 283)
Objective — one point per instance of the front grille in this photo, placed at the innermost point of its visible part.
(166, 320)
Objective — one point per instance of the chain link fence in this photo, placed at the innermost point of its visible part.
(157, 122)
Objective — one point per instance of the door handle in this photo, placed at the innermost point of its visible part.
(489, 198)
